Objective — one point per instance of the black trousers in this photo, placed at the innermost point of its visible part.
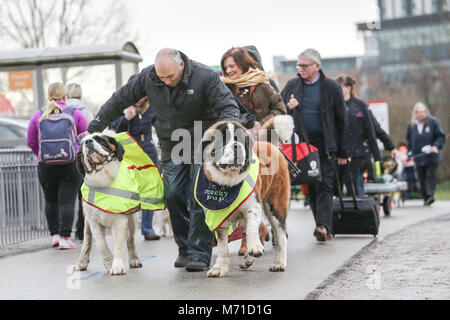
(190, 231)
(321, 194)
(60, 184)
(427, 180)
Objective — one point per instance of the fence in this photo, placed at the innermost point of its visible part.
(22, 215)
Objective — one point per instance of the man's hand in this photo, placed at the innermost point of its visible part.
(343, 161)
(130, 113)
(434, 149)
(292, 102)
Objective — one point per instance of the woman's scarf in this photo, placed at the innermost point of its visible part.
(252, 77)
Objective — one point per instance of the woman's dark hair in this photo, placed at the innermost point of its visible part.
(242, 58)
(346, 81)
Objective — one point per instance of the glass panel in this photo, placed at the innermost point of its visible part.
(128, 69)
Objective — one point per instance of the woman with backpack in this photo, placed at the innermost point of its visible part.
(251, 87)
(52, 135)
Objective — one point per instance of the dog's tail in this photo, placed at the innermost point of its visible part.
(277, 129)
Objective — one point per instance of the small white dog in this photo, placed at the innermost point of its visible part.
(99, 162)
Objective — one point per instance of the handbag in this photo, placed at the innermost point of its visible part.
(303, 160)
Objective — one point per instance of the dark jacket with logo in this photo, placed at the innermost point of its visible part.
(432, 134)
(199, 96)
(362, 129)
(332, 112)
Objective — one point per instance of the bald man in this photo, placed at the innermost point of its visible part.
(180, 91)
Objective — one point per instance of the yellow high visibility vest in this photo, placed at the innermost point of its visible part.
(137, 186)
(215, 218)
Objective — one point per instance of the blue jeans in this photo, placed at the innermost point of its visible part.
(192, 235)
(147, 222)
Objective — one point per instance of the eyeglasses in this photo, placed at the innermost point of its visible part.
(304, 66)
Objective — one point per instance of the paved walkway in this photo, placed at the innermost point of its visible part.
(43, 274)
(413, 264)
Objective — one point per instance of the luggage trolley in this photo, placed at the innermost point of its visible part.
(384, 193)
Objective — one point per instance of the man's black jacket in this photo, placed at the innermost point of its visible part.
(199, 96)
(332, 112)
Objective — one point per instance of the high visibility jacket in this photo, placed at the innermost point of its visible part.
(215, 218)
(137, 186)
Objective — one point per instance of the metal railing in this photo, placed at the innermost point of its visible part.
(22, 204)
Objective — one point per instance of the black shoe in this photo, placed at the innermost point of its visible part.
(429, 201)
(181, 262)
(194, 266)
(151, 236)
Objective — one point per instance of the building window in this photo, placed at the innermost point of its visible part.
(417, 7)
(427, 6)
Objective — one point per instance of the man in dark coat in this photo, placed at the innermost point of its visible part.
(317, 105)
(181, 91)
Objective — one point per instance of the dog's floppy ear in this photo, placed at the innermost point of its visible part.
(116, 147)
(79, 163)
(119, 151)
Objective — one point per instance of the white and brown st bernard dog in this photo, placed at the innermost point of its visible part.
(98, 161)
(227, 162)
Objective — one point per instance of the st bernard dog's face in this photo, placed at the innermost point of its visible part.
(227, 149)
(99, 158)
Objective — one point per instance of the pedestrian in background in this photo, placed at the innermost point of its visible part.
(180, 91)
(138, 121)
(74, 95)
(60, 182)
(362, 131)
(425, 139)
(254, 53)
(316, 104)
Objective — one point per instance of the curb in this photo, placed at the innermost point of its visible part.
(332, 278)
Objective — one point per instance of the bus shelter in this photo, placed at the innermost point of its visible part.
(100, 69)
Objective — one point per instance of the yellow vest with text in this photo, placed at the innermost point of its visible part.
(137, 186)
(215, 218)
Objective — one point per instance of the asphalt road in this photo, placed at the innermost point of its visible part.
(45, 274)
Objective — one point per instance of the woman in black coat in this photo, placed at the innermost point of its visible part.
(425, 139)
(362, 130)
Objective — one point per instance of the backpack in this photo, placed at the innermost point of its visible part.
(58, 138)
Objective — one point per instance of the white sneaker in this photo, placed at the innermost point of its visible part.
(55, 240)
(66, 243)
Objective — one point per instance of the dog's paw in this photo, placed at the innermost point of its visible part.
(80, 266)
(277, 267)
(135, 263)
(257, 251)
(218, 271)
(118, 268)
(242, 251)
(246, 262)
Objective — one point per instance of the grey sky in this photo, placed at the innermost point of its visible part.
(204, 30)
